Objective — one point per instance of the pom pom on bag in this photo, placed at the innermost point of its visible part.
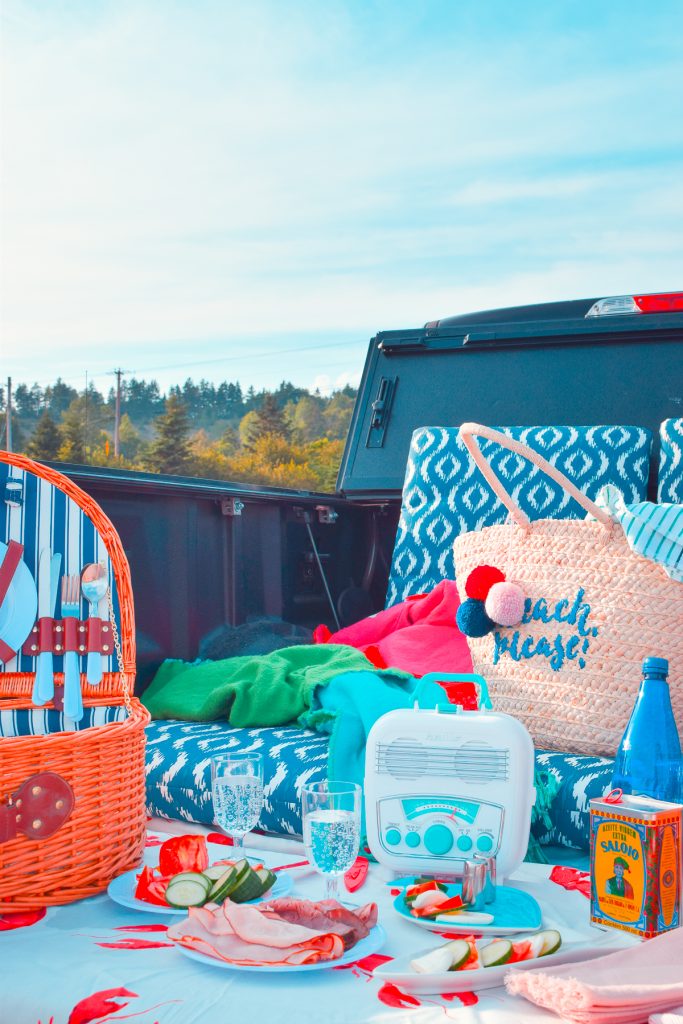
(570, 670)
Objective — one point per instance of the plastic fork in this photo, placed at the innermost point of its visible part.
(73, 701)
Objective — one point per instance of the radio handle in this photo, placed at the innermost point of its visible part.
(456, 677)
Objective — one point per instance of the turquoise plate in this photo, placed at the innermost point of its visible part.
(513, 911)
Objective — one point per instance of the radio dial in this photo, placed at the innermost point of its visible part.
(438, 840)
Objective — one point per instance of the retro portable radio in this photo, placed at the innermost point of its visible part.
(445, 784)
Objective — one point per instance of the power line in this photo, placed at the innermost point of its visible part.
(264, 354)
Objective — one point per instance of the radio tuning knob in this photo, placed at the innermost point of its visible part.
(438, 840)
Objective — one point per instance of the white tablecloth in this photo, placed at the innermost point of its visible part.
(95, 961)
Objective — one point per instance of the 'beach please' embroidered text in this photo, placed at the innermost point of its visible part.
(557, 649)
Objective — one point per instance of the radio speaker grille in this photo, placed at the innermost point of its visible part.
(404, 758)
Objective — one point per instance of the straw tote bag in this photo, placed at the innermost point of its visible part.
(570, 671)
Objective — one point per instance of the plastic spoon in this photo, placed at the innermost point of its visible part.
(94, 585)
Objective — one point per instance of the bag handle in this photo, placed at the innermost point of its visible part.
(470, 431)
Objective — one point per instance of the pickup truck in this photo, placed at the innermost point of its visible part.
(205, 553)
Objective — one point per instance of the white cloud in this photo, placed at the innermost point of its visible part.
(179, 185)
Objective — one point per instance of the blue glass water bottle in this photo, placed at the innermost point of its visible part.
(648, 760)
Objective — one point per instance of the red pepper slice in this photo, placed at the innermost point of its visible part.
(415, 890)
(454, 903)
(183, 853)
(356, 875)
(151, 887)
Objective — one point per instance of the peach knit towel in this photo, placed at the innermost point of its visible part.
(621, 988)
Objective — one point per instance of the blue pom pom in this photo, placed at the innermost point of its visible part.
(472, 619)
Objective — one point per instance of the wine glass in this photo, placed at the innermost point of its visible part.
(331, 827)
(237, 790)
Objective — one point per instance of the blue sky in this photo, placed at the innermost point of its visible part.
(250, 190)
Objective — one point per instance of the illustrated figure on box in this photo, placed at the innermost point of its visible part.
(617, 884)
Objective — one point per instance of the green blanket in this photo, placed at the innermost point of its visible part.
(258, 690)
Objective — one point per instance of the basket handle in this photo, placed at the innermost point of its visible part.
(470, 431)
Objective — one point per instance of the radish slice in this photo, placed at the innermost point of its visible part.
(431, 898)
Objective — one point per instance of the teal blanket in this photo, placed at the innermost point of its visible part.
(350, 704)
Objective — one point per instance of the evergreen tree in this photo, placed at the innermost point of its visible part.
(59, 397)
(270, 419)
(170, 452)
(130, 441)
(72, 432)
(46, 440)
(28, 401)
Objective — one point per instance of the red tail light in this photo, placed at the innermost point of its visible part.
(662, 302)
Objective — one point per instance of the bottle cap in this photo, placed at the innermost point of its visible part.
(656, 666)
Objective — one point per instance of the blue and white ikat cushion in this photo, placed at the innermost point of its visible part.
(670, 476)
(444, 493)
(178, 769)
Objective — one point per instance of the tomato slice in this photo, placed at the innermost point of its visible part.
(520, 951)
(183, 853)
(151, 887)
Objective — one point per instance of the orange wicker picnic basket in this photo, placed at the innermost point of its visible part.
(103, 765)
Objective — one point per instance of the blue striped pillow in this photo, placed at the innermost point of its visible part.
(44, 721)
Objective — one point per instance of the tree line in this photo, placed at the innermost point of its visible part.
(288, 437)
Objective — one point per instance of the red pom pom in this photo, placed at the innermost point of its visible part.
(480, 581)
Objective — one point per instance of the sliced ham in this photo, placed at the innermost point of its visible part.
(242, 934)
(327, 916)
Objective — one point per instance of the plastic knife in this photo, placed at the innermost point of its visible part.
(44, 683)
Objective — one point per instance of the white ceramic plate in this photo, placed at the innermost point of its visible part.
(370, 944)
(399, 972)
(122, 889)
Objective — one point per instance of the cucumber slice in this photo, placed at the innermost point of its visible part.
(450, 957)
(215, 871)
(248, 888)
(195, 876)
(496, 953)
(186, 892)
(552, 940)
(268, 880)
(220, 889)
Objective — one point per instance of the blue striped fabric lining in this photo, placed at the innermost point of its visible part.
(653, 531)
(46, 517)
(44, 721)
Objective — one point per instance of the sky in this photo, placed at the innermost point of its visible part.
(251, 189)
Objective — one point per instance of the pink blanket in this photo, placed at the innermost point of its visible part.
(419, 635)
(622, 988)
(258, 935)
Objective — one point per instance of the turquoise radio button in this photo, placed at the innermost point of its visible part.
(438, 840)
(413, 839)
(485, 844)
(464, 843)
(393, 837)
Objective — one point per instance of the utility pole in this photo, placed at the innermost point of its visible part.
(117, 413)
(85, 423)
(8, 416)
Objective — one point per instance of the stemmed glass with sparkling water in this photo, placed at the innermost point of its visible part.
(331, 826)
(237, 789)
